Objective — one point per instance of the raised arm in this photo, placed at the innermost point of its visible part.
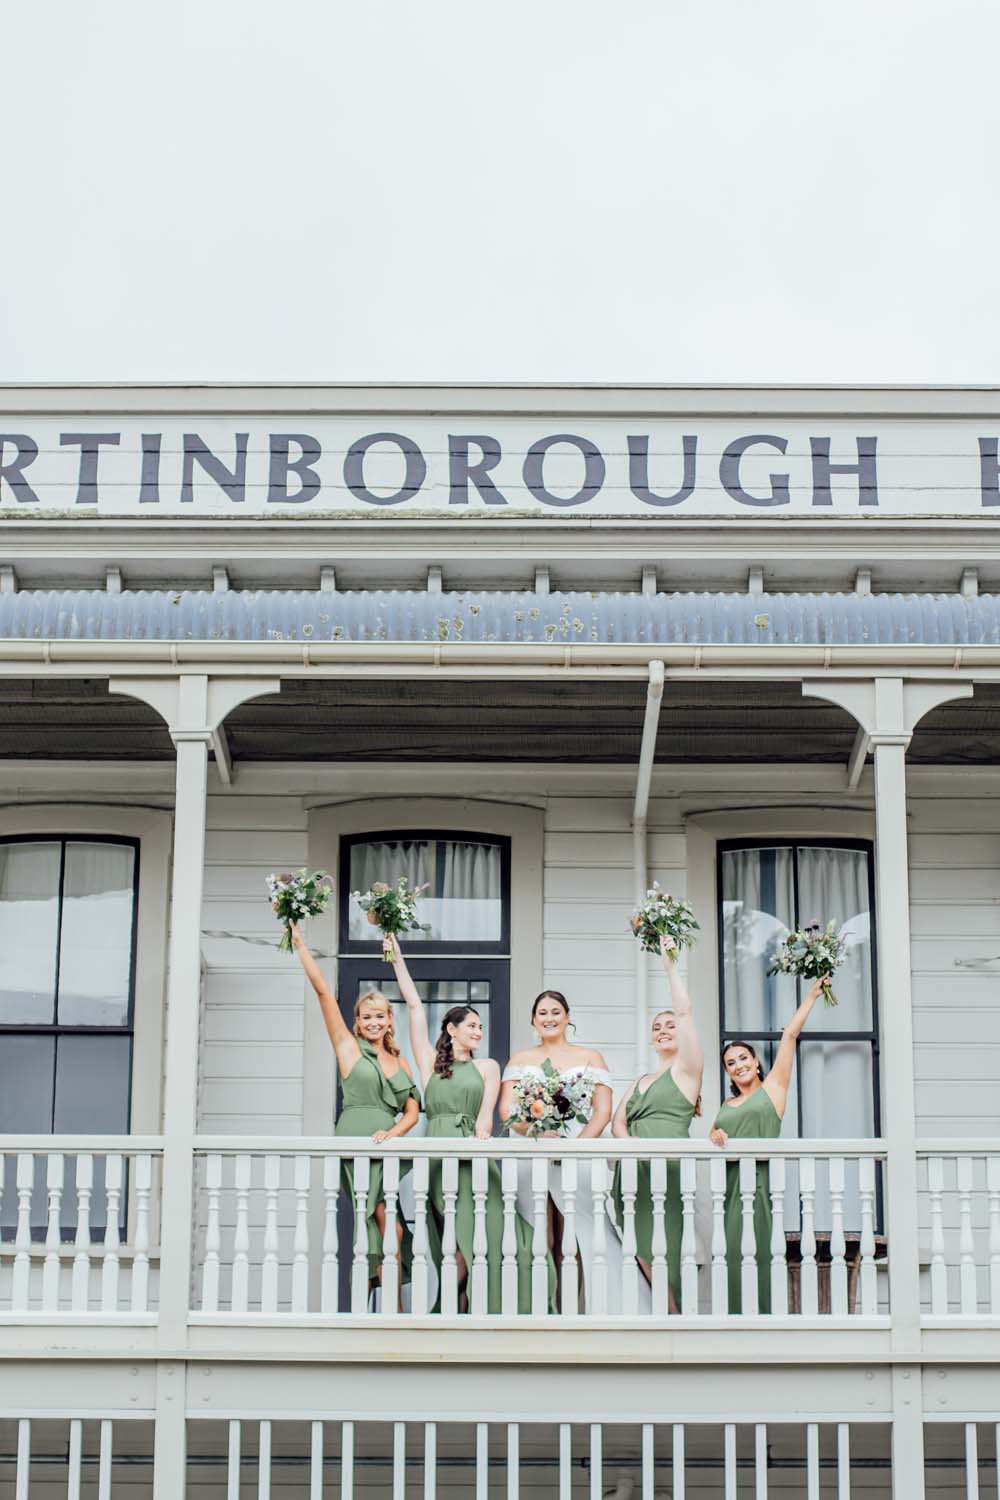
(345, 1043)
(420, 1041)
(690, 1056)
(780, 1076)
(490, 1071)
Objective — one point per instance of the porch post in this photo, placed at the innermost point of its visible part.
(887, 709)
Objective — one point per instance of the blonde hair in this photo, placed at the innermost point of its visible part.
(376, 997)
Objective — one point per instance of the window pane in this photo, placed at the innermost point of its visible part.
(758, 905)
(92, 1085)
(26, 1084)
(29, 915)
(95, 953)
(463, 899)
(838, 1091)
(833, 887)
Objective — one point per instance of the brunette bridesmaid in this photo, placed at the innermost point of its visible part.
(755, 1111)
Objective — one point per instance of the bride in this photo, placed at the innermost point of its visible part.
(550, 1018)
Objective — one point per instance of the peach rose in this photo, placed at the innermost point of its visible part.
(536, 1109)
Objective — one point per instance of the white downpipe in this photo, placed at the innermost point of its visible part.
(640, 860)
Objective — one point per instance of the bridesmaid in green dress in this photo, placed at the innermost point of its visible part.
(380, 1098)
(755, 1112)
(660, 1106)
(460, 1095)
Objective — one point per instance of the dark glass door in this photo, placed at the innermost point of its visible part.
(483, 983)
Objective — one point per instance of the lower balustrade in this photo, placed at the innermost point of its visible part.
(320, 1458)
(605, 1230)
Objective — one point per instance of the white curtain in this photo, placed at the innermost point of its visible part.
(95, 953)
(463, 901)
(29, 916)
(758, 905)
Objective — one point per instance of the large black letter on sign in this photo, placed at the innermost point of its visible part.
(232, 482)
(864, 468)
(593, 472)
(989, 471)
(638, 471)
(729, 471)
(149, 482)
(460, 471)
(281, 466)
(90, 447)
(354, 468)
(27, 452)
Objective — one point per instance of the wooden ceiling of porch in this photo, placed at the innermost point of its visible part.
(593, 722)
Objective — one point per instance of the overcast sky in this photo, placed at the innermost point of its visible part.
(676, 190)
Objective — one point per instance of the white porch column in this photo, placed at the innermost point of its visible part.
(887, 710)
(193, 706)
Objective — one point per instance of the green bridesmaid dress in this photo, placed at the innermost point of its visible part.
(758, 1119)
(372, 1101)
(452, 1106)
(661, 1112)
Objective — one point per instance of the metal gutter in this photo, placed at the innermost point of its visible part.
(640, 851)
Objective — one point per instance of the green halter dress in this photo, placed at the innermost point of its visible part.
(452, 1108)
(660, 1112)
(372, 1101)
(758, 1119)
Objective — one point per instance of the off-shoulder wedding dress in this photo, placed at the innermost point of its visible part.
(593, 1223)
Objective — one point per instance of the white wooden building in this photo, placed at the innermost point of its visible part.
(540, 646)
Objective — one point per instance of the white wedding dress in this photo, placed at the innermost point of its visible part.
(584, 1216)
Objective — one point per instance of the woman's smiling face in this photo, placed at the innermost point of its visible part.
(550, 1019)
(741, 1066)
(373, 1020)
(468, 1034)
(664, 1032)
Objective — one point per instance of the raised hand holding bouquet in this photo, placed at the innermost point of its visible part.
(550, 1104)
(811, 953)
(392, 909)
(297, 896)
(664, 916)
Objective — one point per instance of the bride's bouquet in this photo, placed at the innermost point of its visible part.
(295, 897)
(811, 952)
(549, 1103)
(662, 915)
(392, 909)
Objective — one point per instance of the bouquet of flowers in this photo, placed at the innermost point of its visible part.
(297, 896)
(551, 1102)
(811, 953)
(663, 915)
(392, 909)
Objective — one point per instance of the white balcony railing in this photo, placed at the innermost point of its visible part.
(274, 1241)
(960, 1227)
(79, 1219)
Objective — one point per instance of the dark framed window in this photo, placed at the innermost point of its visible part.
(467, 901)
(68, 913)
(765, 889)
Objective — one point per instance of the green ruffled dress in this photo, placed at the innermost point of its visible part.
(452, 1106)
(756, 1118)
(372, 1101)
(661, 1112)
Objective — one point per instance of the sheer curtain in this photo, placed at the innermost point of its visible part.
(464, 897)
(29, 920)
(758, 908)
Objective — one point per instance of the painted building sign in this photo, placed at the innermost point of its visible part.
(497, 466)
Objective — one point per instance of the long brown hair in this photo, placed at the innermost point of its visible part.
(444, 1055)
(376, 997)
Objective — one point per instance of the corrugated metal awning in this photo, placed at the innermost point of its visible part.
(604, 618)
